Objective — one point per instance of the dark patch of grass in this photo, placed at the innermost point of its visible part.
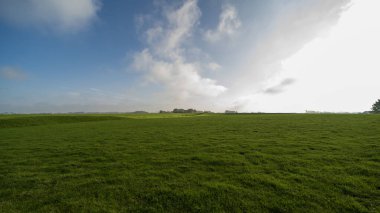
(201, 163)
(20, 121)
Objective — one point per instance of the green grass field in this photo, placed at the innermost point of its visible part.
(190, 163)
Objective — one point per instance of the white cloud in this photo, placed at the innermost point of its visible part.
(181, 24)
(340, 71)
(294, 25)
(332, 52)
(57, 15)
(229, 23)
(165, 61)
(213, 66)
(252, 67)
(12, 73)
(180, 78)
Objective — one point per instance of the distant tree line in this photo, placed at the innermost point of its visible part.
(176, 110)
(230, 112)
(184, 111)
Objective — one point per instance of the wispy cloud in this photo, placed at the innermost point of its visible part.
(12, 73)
(57, 15)
(165, 60)
(73, 94)
(213, 66)
(229, 23)
(280, 87)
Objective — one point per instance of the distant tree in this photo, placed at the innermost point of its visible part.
(376, 106)
(140, 112)
(178, 110)
(184, 110)
(190, 111)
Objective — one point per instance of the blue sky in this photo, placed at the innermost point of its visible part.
(93, 55)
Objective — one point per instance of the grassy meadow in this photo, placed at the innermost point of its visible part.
(190, 163)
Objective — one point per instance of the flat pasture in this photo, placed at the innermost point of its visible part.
(190, 163)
